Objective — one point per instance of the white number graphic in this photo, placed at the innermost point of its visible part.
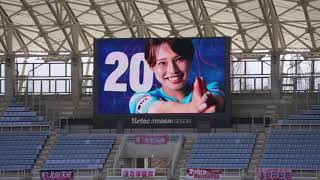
(135, 85)
(111, 82)
(134, 74)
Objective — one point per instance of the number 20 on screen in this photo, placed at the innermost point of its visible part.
(111, 83)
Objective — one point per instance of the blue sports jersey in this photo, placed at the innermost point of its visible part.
(140, 102)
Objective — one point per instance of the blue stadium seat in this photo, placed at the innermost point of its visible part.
(222, 150)
(75, 151)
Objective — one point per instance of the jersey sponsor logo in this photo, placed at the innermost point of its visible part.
(142, 103)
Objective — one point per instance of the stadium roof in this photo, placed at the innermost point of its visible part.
(69, 26)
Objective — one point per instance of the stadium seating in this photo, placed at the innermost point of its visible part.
(222, 151)
(311, 116)
(80, 151)
(293, 149)
(19, 150)
(17, 114)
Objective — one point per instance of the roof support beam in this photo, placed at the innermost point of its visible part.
(4, 45)
(272, 25)
(76, 22)
(142, 27)
(194, 12)
(164, 7)
(96, 7)
(241, 30)
(5, 18)
(60, 23)
(209, 30)
(36, 21)
(310, 29)
(9, 76)
(297, 38)
(126, 15)
(132, 17)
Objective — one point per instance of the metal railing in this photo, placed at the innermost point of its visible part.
(250, 84)
(119, 152)
(13, 173)
(176, 154)
(2, 85)
(15, 128)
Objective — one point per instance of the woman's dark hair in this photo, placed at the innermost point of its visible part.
(182, 47)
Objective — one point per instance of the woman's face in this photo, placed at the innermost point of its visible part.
(171, 70)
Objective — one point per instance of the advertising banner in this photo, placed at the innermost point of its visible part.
(205, 173)
(273, 174)
(151, 139)
(138, 172)
(56, 174)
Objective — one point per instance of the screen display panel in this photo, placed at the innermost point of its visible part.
(138, 80)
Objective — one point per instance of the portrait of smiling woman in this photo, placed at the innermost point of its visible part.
(170, 60)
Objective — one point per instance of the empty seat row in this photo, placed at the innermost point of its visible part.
(78, 156)
(24, 133)
(226, 140)
(20, 147)
(17, 108)
(79, 151)
(81, 146)
(290, 161)
(5, 152)
(19, 142)
(213, 156)
(311, 112)
(86, 137)
(292, 156)
(72, 166)
(228, 135)
(75, 161)
(15, 104)
(292, 166)
(26, 138)
(220, 150)
(22, 123)
(297, 146)
(20, 118)
(218, 166)
(18, 156)
(304, 117)
(295, 136)
(218, 161)
(294, 131)
(19, 113)
(16, 167)
(291, 151)
(293, 141)
(213, 146)
(304, 121)
(82, 141)
(16, 161)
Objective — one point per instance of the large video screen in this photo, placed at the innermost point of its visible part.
(161, 77)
